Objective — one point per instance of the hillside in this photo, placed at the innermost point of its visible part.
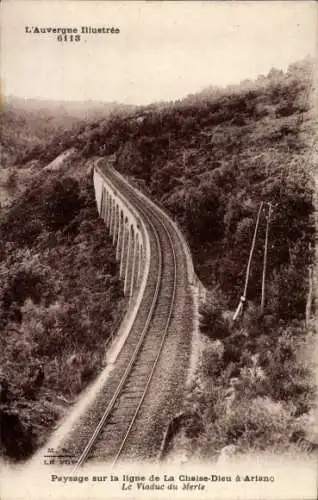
(209, 160)
(60, 301)
(55, 261)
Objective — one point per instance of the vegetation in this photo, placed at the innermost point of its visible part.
(209, 160)
(60, 299)
(256, 388)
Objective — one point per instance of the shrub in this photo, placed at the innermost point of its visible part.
(251, 424)
(61, 202)
(17, 438)
(212, 321)
(258, 424)
(287, 377)
(212, 359)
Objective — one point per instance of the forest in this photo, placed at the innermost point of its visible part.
(60, 300)
(209, 160)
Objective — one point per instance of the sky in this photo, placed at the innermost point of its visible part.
(164, 51)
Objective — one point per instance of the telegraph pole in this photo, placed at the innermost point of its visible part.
(243, 297)
(265, 256)
(185, 184)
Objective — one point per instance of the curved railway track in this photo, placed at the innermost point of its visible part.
(124, 421)
(113, 429)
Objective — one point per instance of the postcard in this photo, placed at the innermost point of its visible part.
(158, 262)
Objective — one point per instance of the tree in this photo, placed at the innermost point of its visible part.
(61, 202)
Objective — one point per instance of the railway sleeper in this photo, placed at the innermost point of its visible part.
(142, 369)
(137, 381)
(129, 397)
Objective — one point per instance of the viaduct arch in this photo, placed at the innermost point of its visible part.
(128, 233)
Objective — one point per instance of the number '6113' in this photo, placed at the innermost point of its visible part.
(68, 38)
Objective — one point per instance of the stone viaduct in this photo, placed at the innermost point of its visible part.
(128, 233)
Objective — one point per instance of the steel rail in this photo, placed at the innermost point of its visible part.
(164, 336)
(138, 347)
(124, 377)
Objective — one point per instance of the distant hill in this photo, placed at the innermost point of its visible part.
(77, 109)
(30, 123)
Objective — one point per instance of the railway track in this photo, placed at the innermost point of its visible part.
(109, 432)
